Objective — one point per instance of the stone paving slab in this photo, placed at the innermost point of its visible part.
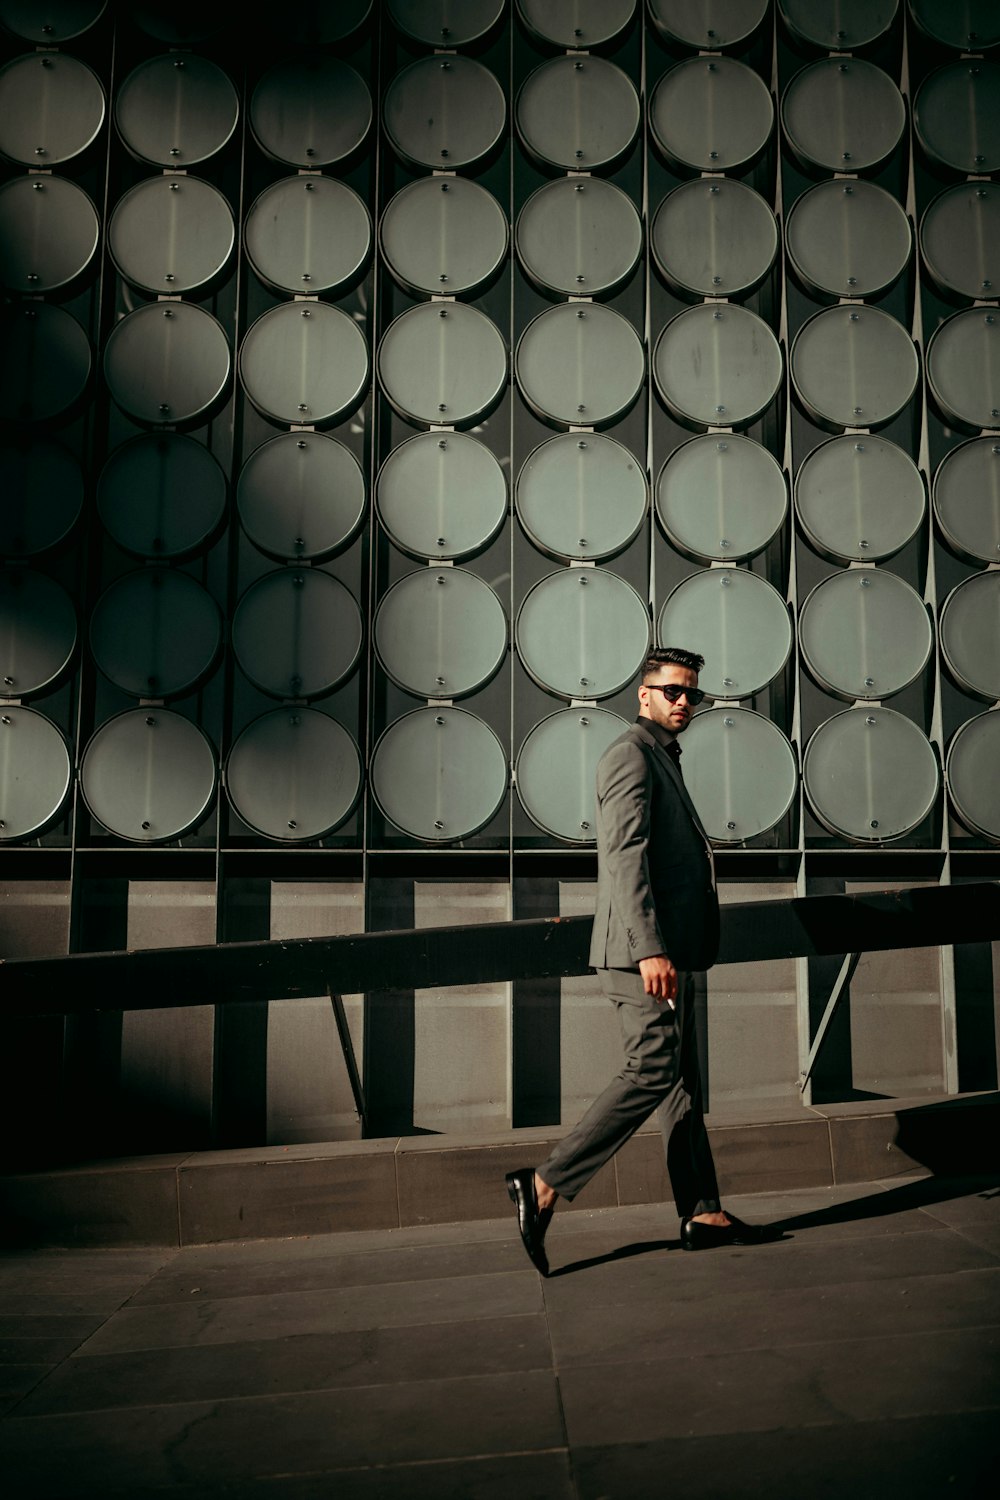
(859, 1354)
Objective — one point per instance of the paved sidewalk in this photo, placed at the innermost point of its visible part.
(858, 1356)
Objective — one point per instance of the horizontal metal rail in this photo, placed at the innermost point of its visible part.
(235, 973)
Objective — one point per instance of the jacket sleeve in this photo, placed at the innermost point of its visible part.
(623, 794)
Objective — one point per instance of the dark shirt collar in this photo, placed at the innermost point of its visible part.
(661, 736)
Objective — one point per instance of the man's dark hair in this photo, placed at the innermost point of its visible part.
(670, 656)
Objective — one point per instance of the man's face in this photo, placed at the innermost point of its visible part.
(653, 704)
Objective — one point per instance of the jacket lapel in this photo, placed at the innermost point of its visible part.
(673, 771)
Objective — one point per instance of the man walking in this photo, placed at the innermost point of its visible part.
(656, 921)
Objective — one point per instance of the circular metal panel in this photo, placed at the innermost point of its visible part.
(176, 111)
(445, 23)
(46, 362)
(708, 24)
(179, 25)
(42, 485)
(441, 496)
(309, 235)
(445, 236)
(714, 238)
(842, 114)
(717, 366)
(156, 633)
(577, 113)
(970, 635)
(439, 774)
(960, 240)
(581, 24)
(305, 364)
(971, 772)
(580, 366)
(37, 632)
(51, 108)
(48, 233)
(556, 770)
(444, 112)
(297, 633)
(738, 622)
(582, 633)
(171, 235)
(870, 775)
(35, 772)
(963, 369)
(848, 239)
(148, 775)
(581, 497)
(162, 496)
(294, 775)
(838, 25)
(864, 634)
(319, 24)
(721, 499)
(740, 772)
(966, 496)
(167, 363)
(711, 115)
(966, 25)
(853, 367)
(441, 633)
(859, 499)
(579, 238)
(51, 23)
(443, 365)
(312, 111)
(302, 495)
(956, 116)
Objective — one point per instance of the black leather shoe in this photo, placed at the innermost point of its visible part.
(532, 1221)
(696, 1236)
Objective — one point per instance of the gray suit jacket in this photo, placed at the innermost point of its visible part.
(655, 874)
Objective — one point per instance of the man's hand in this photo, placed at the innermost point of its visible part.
(659, 978)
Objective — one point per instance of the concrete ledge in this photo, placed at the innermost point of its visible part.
(280, 1191)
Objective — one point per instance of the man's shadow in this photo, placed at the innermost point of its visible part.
(957, 1140)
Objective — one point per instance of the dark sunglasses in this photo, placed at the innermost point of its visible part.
(674, 691)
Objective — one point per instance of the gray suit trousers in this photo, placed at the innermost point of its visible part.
(660, 1073)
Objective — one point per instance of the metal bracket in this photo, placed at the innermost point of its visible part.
(347, 1047)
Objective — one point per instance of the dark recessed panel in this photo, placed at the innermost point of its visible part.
(956, 116)
(445, 23)
(439, 774)
(305, 364)
(838, 25)
(443, 365)
(297, 633)
(51, 109)
(440, 633)
(556, 770)
(970, 635)
(864, 634)
(171, 235)
(48, 233)
(740, 771)
(709, 25)
(162, 496)
(577, 113)
(446, 112)
(582, 633)
(441, 496)
(711, 115)
(301, 495)
(714, 238)
(971, 770)
(176, 111)
(37, 632)
(721, 499)
(53, 23)
(578, 24)
(579, 238)
(963, 369)
(870, 775)
(717, 366)
(859, 499)
(737, 621)
(444, 236)
(842, 115)
(848, 239)
(580, 366)
(167, 363)
(148, 775)
(853, 367)
(960, 241)
(156, 633)
(966, 495)
(294, 774)
(35, 772)
(45, 363)
(313, 111)
(42, 486)
(581, 496)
